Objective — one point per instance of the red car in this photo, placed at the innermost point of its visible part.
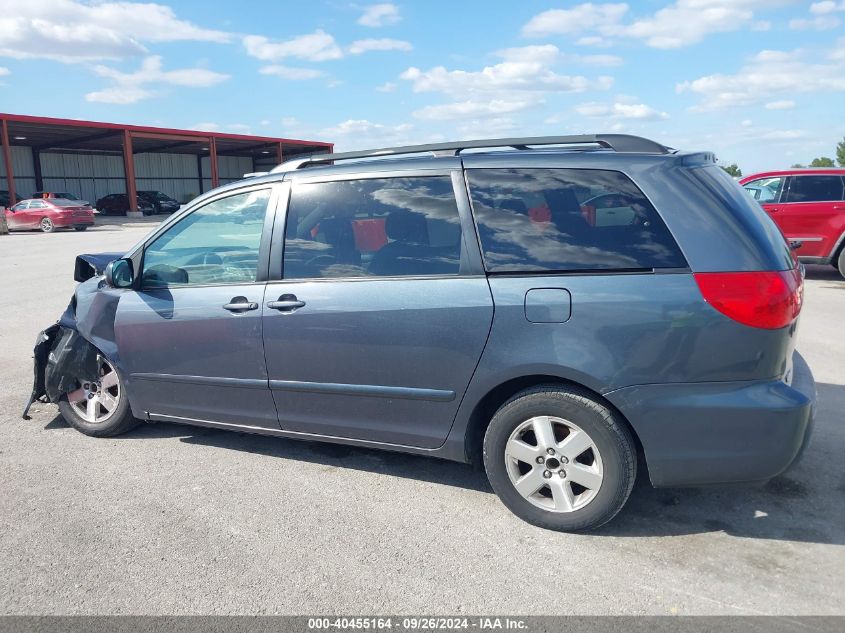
(48, 215)
(809, 206)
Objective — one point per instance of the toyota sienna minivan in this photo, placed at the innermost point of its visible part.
(566, 311)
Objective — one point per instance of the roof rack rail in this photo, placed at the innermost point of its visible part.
(623, 143)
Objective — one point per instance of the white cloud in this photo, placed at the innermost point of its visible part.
(288, 72)
(4, 71)
(602, 60)
(486, 127)
(828, 6)
(679, 24)
(593, 40)
(769, 74)
(508, 76)
(519, 82)
(385, 44)
(129, 87)
(206, 127)
(382, 14)
(782, 135)
(469, 109)
(387, 87)
(824, 19)
(71, 31)
(689, 21)
(619, 110)
(584, 17)
(362, 133)
(316, 47)
(821, 23)
(780, 105)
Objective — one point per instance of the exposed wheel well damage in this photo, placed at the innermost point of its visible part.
(482, 413)
(62, 357)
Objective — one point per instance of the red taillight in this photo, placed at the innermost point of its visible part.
(766, 299)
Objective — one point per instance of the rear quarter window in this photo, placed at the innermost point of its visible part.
(754, 220)
(567, 220)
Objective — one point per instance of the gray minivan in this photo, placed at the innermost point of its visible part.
(563, 310)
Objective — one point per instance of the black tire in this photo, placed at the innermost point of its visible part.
(46, 225)
(609, 434)
(840, 262)
(80, 228)
(120, 421)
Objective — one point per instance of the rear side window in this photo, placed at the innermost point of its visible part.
(379, 227)
(815, 189)
(567, 220)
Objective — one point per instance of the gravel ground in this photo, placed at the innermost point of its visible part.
(171, 519)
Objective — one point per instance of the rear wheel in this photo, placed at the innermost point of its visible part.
(80, 228)
(99, 408)
(46, 225)
(559, 459)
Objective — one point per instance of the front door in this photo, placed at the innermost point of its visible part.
(190, 337)
(383, 311)
(17, 217)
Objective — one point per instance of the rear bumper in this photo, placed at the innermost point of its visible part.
(72, 220)
(725, 432)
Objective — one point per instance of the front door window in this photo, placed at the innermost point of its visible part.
(216, 244)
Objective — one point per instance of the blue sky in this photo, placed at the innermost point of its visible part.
(760, 82)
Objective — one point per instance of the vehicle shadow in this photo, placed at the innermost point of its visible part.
(824, 273)
(804, 505)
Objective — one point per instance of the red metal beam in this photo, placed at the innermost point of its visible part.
(7, 158)
(190, 138)
(143, 129)
(129, 170)
(212, 152)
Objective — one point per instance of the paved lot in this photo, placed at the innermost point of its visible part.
(172, 519)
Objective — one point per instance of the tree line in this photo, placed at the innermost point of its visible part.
(821, 161)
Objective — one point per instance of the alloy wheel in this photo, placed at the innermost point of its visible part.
(96, 401)
(553, 464)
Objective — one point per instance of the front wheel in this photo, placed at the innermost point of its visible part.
(840, 262)
(46, 225)
(559, 459)
(99, 408)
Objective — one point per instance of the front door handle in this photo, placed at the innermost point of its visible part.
(240, 304)
(286, 303)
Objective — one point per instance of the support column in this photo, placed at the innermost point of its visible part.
(199, 174)
(280, 154)
(129, 172)
(36, 166)
(215, 176)
(7, 158)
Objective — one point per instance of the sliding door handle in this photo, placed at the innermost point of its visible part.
(240, 304)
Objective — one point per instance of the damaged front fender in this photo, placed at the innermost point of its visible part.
(61, 359)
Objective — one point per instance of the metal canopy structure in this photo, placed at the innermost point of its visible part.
(70, 135)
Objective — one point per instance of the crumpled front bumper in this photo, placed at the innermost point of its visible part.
(60, 358)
